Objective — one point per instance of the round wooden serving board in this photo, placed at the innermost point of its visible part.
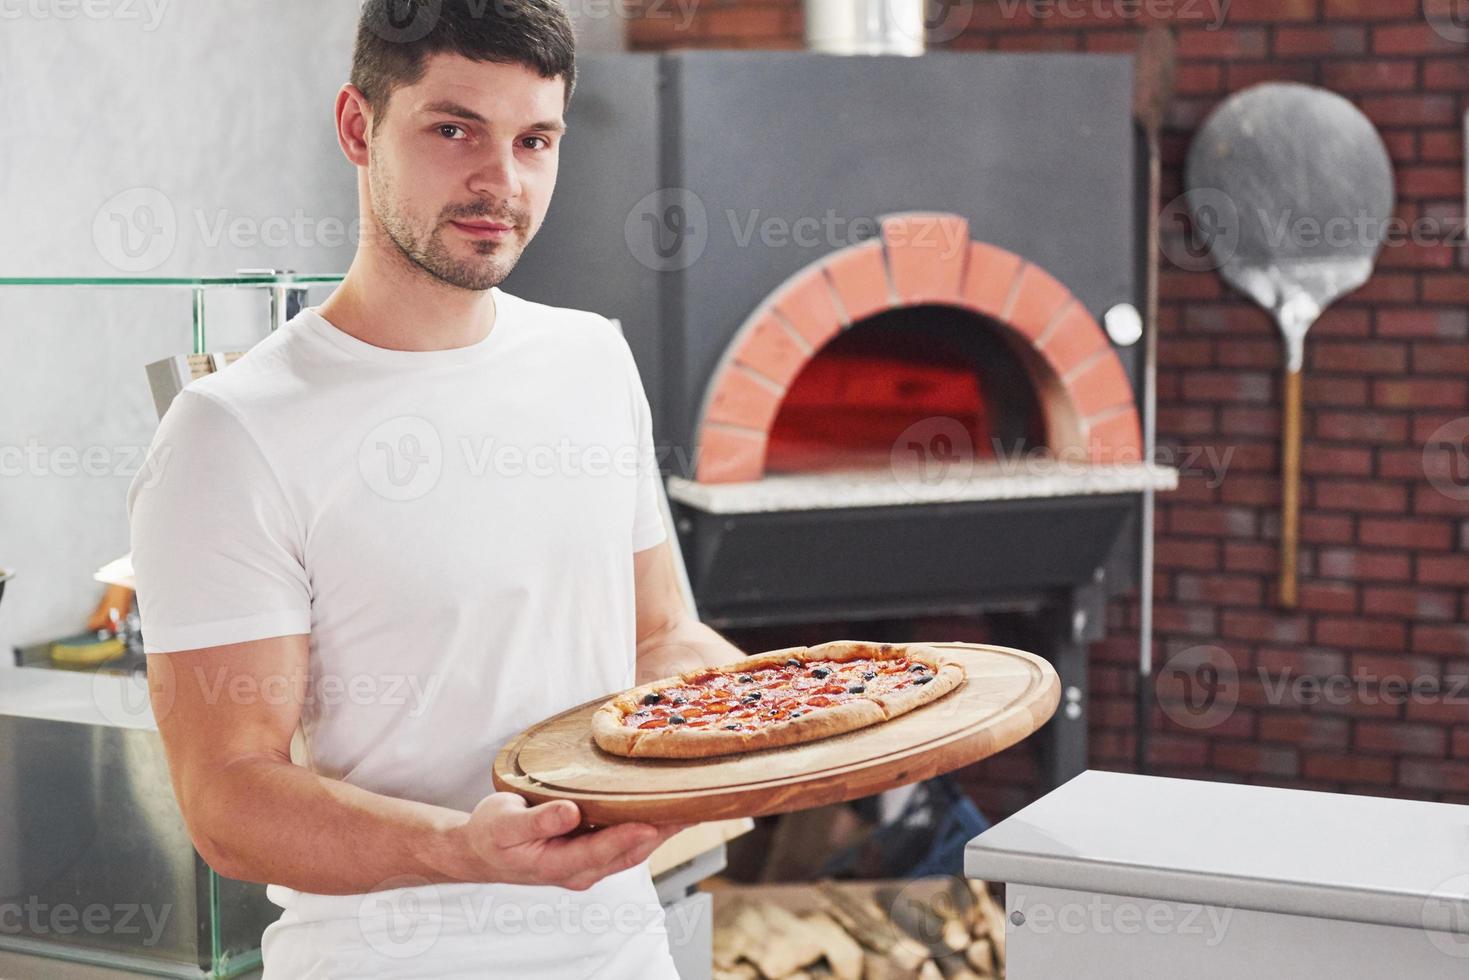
(1007, 695)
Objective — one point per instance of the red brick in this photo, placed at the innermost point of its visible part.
(1265, 759)
(1256, 491)
(1263, 626)
(1262, 353)
(1219, 590)
(1371, 9)
(1360, 495)
(1452, 640)
(1369, 75)
(859, 275)
(1377, 357)
(1304, 730)
(1335, 39)
(1188, 620)
(1419, 38)
(1327, 528)
(1336, 460)
(743, 21)
(1343, 321)
(1198, 79)
(926, 252)
(1334, 391)
(1430, 500)
(809, 307)
(1052, 41)
(1461, 742)
(1347, 768)
(1446, 73)
(729, 457)
(1424, 393)
(1430, 181)
(1365, 565)
(1444, 145)
(1223, 522)
(1409, 110)
(1249, 421)
(1242, 74)
(743, 401)
(1374, 427)
(1184, 553)
(1446, 288)
(1310, 661)
(990, 278)
(769, 350)
(1400, 738)
(1253, 11)
(1231, 386)
(1410, 603)
(1388, 287)
(1434, 358)
(1246, 556)
(1242, 42)
(1334, 597)
(1420, 533)
(1434, 775)
(1374, 634)
(1444, 570)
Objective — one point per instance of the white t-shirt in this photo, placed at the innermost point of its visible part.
(455, 530)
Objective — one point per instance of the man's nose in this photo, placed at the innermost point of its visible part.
(498, 175)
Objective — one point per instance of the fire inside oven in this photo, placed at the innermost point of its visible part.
(865, 399)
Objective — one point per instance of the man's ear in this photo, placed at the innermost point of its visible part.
(354, 123)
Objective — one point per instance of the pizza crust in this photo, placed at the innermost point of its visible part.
(613, 736)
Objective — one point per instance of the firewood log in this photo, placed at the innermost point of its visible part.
(843, 953)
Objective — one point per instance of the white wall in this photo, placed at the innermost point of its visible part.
(197, 112)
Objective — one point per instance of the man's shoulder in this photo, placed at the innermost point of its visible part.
(267, 372)
(566, 318)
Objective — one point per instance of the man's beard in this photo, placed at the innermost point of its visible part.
(493, 261)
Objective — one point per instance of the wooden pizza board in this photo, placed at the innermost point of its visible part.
(1007, 695)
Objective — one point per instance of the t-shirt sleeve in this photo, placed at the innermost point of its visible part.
(648, 527)
(216, 547)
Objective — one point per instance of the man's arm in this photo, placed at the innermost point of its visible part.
(670, 638)
(226, 715)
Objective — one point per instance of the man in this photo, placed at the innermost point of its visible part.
(416, 520)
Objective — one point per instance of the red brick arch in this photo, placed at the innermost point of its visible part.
(921, 258)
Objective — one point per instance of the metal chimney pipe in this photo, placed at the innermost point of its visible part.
(865, 26)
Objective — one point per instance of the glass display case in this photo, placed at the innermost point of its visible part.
(94, 853)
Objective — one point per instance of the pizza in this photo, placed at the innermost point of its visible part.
(784, 697)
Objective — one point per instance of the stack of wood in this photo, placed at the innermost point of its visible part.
(929, 929)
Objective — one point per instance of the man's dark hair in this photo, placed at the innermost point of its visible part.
(396, 37)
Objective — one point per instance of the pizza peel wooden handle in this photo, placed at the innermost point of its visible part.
(1290, 491)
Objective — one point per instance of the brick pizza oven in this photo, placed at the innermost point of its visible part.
(865, 295)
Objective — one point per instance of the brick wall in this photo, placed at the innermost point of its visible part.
(1385, 531)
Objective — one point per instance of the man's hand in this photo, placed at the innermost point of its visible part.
(528, 845)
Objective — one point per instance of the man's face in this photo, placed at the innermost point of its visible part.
(462, 165)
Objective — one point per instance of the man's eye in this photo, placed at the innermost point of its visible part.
(447, 129)
(544, 143)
